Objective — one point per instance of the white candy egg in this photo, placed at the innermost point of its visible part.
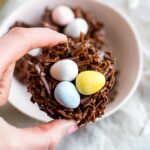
(74, 28)
(64, 70)
(62, 15)
(35, 52)
(67, 95)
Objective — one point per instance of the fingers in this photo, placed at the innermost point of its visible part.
(8, 136)
(5, 83)
(18, 41)
(48, 135)
(43, 137)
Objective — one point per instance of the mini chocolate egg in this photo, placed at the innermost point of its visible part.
(67, 95)
(74, 28)
(62, 15)
(35, 52)
(64, 70)
(90, 82)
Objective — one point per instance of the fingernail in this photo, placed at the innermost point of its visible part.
(72, 129)
(64, 37)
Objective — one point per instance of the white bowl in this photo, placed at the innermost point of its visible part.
(121, 36)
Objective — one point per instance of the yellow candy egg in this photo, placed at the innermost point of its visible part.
(90, 82)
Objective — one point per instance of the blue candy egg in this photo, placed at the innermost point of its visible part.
(76, 26)
(67, 95)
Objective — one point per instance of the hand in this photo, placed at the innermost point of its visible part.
(12, 47)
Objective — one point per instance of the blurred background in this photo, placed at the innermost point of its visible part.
(128, 128)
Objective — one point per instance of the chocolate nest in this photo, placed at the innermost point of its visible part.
(89, 52)
(41, 85)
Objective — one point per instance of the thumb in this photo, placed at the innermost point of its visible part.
(47, 136)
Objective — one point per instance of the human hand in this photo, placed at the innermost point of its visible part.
(13, 46)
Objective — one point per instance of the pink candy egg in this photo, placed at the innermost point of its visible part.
(62, 15)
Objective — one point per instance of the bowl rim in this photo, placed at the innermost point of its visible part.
(139, 51)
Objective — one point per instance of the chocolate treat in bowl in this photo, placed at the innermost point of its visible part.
(71, 80)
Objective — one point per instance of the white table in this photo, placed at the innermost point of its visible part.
(127, 129)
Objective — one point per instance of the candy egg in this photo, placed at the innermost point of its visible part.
(90, 82)
(67, 95)
(62, 15)
(35, 52)
(64, 70)
(74, 28)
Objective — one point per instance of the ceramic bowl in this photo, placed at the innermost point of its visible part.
(120, 33)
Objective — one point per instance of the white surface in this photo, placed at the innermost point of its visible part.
(127, 129)
(124, 44)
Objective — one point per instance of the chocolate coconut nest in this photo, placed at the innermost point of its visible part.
(89, 54)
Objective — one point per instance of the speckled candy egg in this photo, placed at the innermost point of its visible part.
(67, 95)
(90, 82)
(64, 70)
(62, 15)
(35, 52)
(74, 28)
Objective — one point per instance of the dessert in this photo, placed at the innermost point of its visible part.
(71, 80)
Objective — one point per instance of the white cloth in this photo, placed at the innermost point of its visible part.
(128, 128)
